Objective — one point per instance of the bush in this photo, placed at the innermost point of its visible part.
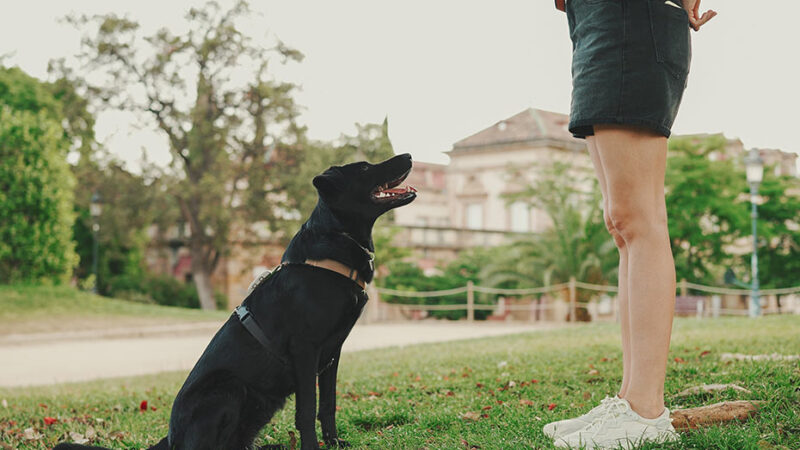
(159, 289)
(35, 200)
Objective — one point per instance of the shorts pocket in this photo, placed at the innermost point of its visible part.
(670, 29)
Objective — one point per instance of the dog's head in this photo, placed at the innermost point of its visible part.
(365, 189)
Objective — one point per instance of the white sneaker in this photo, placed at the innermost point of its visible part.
(620, 426)
(561, 428)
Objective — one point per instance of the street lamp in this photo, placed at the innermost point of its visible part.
(95, 209)
(755, 172)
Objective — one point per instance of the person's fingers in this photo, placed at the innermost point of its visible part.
(708, 15)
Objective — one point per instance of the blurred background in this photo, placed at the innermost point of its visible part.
(162, 153)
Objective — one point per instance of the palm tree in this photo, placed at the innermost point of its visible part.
(576, 245)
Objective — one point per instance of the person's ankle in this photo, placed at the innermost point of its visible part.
(647, 411)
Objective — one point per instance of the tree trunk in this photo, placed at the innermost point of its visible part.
(202, 281)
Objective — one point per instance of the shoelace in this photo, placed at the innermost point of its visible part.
(614, 407)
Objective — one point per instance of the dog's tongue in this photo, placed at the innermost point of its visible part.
(400, 190)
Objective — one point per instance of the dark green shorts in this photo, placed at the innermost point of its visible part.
(630, 62)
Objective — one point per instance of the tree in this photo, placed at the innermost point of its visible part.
(576, 245)
(231, 129)
(35, 184)
(704, 215)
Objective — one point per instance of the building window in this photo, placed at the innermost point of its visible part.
(475, 216)
(520, 217)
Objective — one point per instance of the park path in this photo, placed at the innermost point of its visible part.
(41, 359)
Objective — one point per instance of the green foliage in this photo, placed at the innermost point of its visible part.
(576, 245)
(703, 209)
(35, 195)
(406, 276)
(778, 232)
(231, 126)
(708, 206)
(159, 289)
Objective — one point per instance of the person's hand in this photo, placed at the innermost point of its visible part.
(695, 19)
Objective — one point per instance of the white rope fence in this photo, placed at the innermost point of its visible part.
(470, 289)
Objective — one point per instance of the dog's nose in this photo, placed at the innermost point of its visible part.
(406, 155)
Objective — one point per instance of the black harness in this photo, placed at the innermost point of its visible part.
(248, 320)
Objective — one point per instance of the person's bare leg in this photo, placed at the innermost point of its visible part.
(622, 282)
(634, 162)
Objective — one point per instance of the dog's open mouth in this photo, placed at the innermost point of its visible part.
(393, 191)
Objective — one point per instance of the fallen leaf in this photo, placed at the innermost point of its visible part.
(292, 441)
(679, 360)
(525, 402)
(479, 385)
(486, 408)
(5, 403)
(50, 420)
(43, 405)
(90, 433)
(593, 372)
(704, 353)
(551, 406)
(473, 416)
(392, 388)
(30, 434)
(449, 394)
(534, 381)
(77, 438)
(587, 395)
(143, 406)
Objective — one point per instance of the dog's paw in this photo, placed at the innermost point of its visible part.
(334, 443)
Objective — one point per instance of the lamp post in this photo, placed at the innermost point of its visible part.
(95, 209)
(755, 172)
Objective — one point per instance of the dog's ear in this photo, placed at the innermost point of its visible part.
(329, 183)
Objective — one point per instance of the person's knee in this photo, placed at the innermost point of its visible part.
(618, 240)
(631, 221)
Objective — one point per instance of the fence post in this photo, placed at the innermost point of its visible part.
(470, 301)
(683, 287)
(573, 300)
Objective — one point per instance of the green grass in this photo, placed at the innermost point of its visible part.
(36, 309)
(417, 397)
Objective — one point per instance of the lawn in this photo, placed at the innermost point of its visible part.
(489, 393)
(45, 309)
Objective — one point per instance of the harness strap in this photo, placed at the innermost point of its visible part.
(250, 324)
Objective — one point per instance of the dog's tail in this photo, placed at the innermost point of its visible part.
(162, 445)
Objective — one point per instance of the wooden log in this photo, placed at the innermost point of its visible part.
(704, 416)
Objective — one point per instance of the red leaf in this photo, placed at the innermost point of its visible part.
(152, 408)
(534, 381)
(485, 416)
(143, 406)
(551, 406)
(450, 394)
(338, 408)
(679, 360)
(705, 353)
(486, 408)
(480, 385)
(392, 388)
(525, 402)
(50, 420)
(43, 405)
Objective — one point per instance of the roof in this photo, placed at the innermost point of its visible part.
(529, 125)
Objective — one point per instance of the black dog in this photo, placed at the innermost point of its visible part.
(291, 328)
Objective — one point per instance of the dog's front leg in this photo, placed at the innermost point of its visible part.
(305, 360)
(327, 404)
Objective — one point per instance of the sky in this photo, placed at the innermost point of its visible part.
(442, 70)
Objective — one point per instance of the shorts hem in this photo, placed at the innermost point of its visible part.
(580, 128)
